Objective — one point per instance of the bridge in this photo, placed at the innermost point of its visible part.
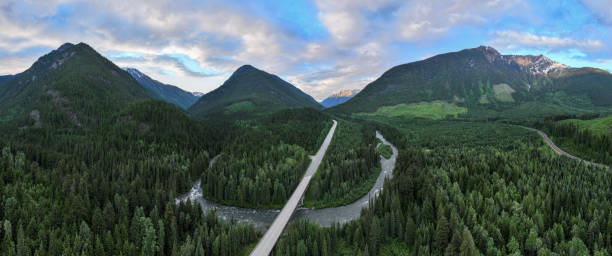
(267, 242)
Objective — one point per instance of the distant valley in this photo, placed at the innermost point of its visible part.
(338, 98)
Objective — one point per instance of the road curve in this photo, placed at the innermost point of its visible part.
(267, 242)
(560, 151)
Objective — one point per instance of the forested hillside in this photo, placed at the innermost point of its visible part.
(349, 169)
(72, 86)
(4, 79)
(264, 161)
(250, 91)
(587, 139)
(482, 84)
(111, 191)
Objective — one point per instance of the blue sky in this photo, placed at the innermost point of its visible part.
(321, 46)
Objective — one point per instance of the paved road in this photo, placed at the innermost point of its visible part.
(560, 151)
(266, 244)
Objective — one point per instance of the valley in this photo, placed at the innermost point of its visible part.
(464, 153)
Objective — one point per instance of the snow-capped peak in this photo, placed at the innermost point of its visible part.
(134, 72)
(345, 93)
(536, 64)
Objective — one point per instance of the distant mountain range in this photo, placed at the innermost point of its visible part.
(76, 86)
(165, 92)
(338, 98)
(6, 78)
(250, 90)
(198, 94)
(489, 85)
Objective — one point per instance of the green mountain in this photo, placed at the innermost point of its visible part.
(250, 90)
(70, 86)
(481, 83)
(165, 92)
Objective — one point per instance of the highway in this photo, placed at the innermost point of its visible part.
(560, 151)
(267, 242)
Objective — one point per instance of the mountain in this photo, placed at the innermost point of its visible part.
(250, 90)
(338, 98)
(198, 94)
(4, 79)
(71, 86)
(165, 92)
(482, 83)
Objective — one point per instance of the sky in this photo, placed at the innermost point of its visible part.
(320, 46)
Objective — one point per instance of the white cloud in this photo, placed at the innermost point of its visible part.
(363, 32)
(601, 8)
(513, 40)
(157, 27)
(363, 42)
(344, 26)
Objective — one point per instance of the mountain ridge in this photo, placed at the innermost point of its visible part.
(166, 92)
(339, 98)
(484, 81)
(73, 82)
(6, 78)
(249, 89)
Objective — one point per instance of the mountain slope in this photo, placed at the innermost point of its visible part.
(73, 85)
(4, 79)
(598, 126)
(488, 84)
(338, 98)
(250, 90)
(165, 92)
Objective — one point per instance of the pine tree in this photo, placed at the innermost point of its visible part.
(8, 246)
(532, 243)
(161, 236)
(409, 234)
(216, 248)
(468, 248)
(513, 246)
(455, 244)
(22, 247)
(199, 248)
(442, 234)
(149, 240)
(301, 249)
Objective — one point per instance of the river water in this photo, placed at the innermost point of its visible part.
(262, 218)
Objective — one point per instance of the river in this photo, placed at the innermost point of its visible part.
(262, 218)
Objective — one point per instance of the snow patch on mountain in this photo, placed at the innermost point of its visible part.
(134, 72)
(536, 64)
(345, 93)
(338, 98)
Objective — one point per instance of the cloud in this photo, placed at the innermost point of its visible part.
(365, 35)
(513, 40)
(352, 22)
(178, 65)
(601, 9)
(348, 43)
